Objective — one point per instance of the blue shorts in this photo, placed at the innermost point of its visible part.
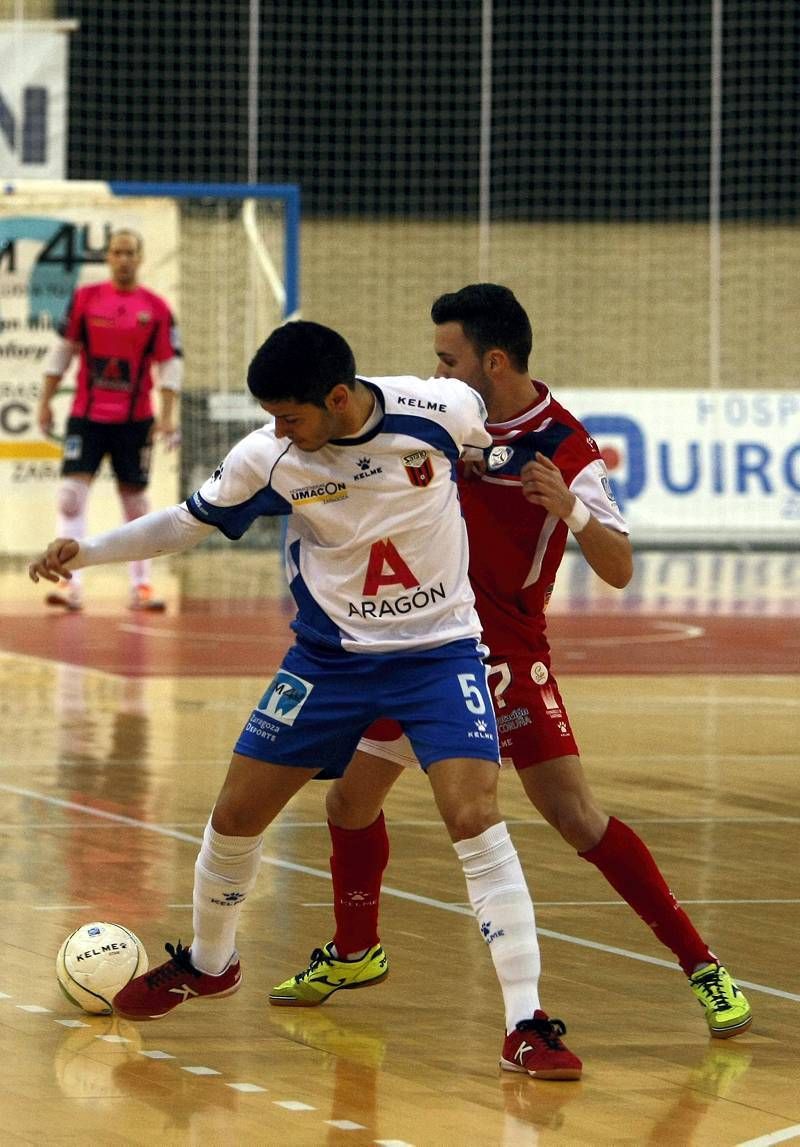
(319, 703)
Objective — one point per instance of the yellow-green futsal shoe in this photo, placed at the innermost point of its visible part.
(327, 974)
(726, 1007)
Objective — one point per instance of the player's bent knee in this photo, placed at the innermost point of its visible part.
(348, 809)
(339, 808)
(465, 820)
(72, 496)
(580, 825)
(135, 502)
(235, 813)
(229, 819)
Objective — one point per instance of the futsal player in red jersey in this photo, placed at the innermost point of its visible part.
(121, 331)
(542, 477)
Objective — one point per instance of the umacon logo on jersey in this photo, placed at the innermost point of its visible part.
(323, 492)
(419, 467)
(285, 697)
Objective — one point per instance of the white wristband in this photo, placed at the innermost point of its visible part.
(579, 517)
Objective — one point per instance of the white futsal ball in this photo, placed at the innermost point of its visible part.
(95, 962)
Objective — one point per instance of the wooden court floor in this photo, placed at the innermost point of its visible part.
(115, 735)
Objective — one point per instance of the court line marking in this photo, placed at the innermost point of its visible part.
(657, 703)
(387, 890)
(562, 903)
(672, 631)
(513, 822)
(196, 638)
(539, 903)
(773, 1137)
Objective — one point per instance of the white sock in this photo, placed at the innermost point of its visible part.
(72, 500)
(502, 904)
(224, 873)
(136, 505)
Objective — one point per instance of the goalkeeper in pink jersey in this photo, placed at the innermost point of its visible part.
(542, 477)
(121, 331)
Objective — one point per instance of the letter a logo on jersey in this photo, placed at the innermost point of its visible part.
(386, 567)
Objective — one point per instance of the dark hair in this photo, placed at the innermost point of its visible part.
(491, 317)
(301, 362)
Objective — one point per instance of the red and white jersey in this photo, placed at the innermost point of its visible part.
(120, 334)
(376, 546)
(516, 547)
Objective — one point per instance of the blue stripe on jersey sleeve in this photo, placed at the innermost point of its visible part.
(424, 429)
(234, 521)
(311, 621)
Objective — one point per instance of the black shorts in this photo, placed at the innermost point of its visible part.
(128, 444)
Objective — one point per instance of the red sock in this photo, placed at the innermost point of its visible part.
(357, 863)
(625, 861)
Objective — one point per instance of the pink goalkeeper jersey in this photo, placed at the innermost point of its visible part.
(120, 334)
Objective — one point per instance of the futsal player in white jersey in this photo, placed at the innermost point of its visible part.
(376, 557)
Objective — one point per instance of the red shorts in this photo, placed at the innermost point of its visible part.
(531, 719)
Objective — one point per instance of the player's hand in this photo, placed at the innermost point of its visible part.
(51, 565)
(544, 485)
(169, 434)
(45, 417)
(473, 467)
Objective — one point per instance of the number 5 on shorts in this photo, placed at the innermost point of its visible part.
(472, 694)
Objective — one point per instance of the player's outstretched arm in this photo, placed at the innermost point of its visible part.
(162, 532)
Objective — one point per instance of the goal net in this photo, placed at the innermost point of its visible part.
(630, 170)
(226, 258)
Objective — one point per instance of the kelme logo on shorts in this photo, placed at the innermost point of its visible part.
(285, 697)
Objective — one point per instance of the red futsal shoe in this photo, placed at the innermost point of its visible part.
(535, 1048)
(152, 995)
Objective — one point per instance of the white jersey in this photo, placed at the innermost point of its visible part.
(376, 548)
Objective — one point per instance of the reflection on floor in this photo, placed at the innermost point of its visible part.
(116, 731)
